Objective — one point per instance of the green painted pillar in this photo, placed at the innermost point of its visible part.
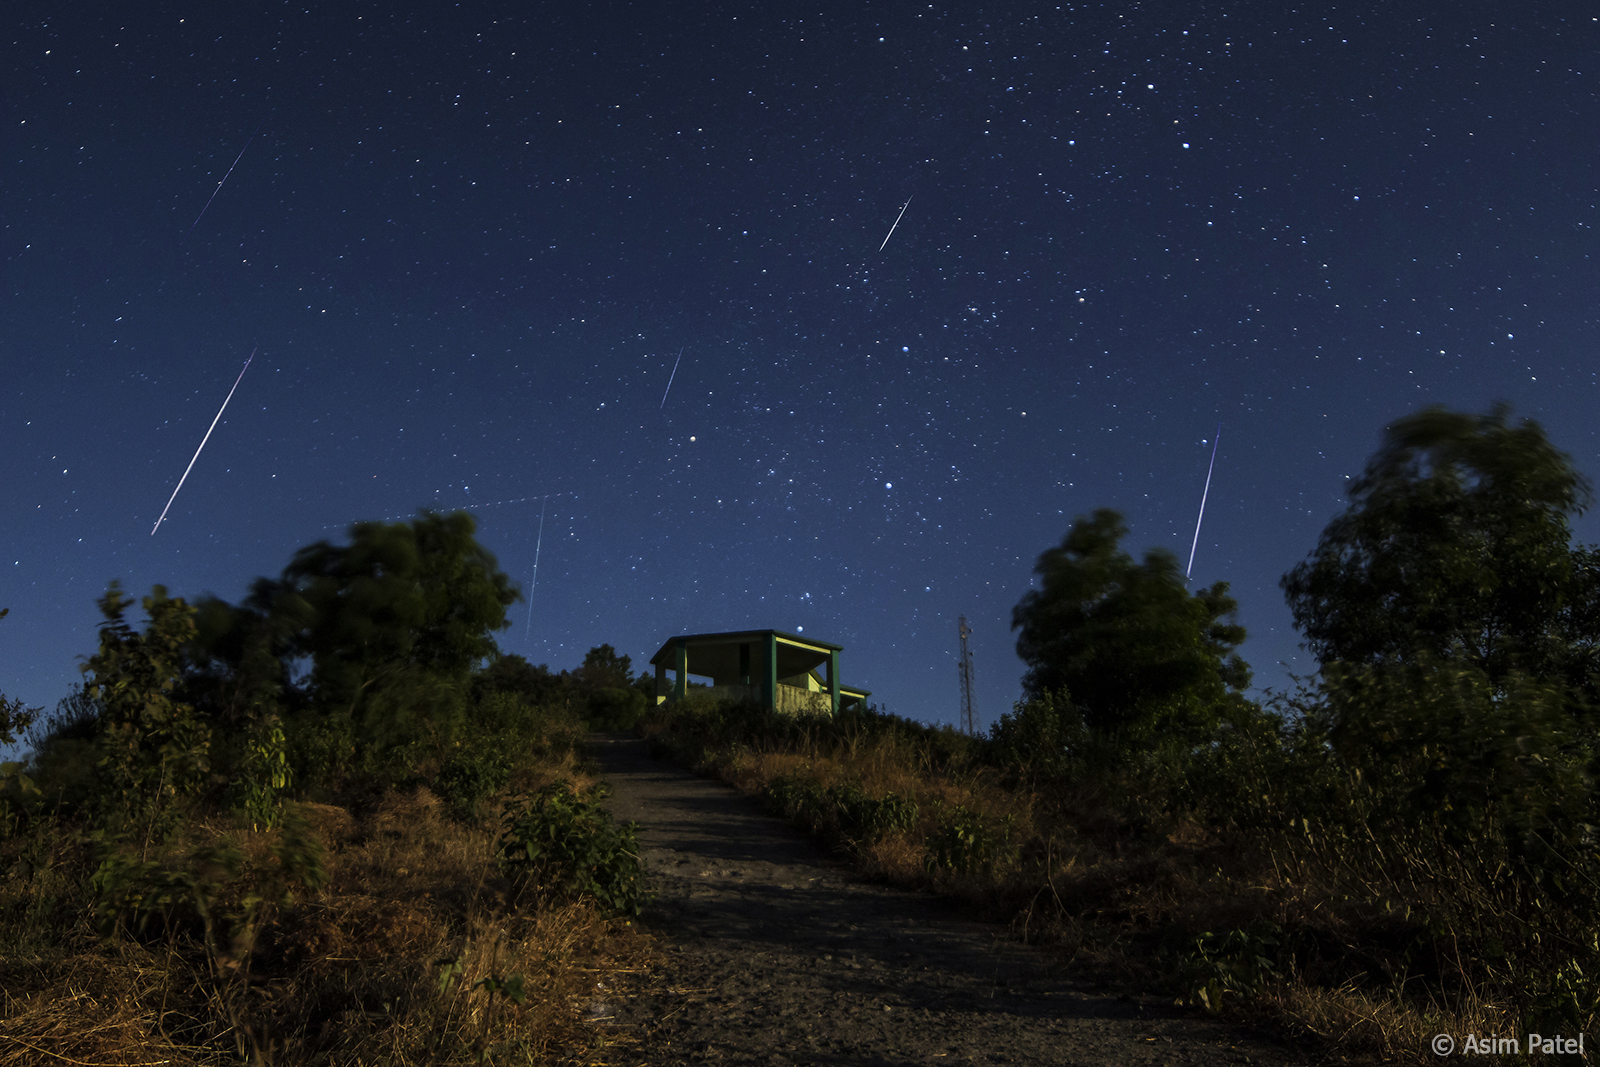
(661, 682)
(833, 680)
(682, 688)
(769, 685)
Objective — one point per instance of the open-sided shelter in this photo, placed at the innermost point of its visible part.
(783, 671)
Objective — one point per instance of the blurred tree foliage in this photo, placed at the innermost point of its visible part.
(396, 620)
(1456, 546)
(1134, 649)
(156, 748)
(602, 668)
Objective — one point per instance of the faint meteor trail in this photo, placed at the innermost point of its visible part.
(897, 219)
(527, 630)
(218, 189)
(1215, 441)
(203, 441)
(671, 376)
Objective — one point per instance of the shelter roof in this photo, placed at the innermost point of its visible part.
(667, 654)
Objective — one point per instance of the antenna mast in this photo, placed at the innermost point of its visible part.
(969, 722)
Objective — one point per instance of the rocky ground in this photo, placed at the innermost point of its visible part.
(773, 953)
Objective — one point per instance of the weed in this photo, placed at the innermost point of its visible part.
(1239, 963)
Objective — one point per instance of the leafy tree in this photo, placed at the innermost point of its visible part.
(513, 675)
(240, 664)
(603, 669)
(612, 697)
(156, 748)
(1455, 544)
(1132, 646)
(394, 622)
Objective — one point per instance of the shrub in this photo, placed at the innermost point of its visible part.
(560, 846)
(968, 843)
(846, 811)
(1238, 962)
(265, 775)
(469, 777)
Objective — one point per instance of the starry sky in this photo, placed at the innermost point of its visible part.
(468, 245)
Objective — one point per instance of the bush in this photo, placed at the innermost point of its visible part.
(844, 811)
(968, 843)
(1211, 966)
(470, 777)
(1036, 737)
(560, 846)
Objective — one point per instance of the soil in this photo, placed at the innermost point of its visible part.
(774, 953)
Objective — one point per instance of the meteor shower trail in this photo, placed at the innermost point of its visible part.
(218, 189)
(897, 219)
(527, 629)
(671, 376)
(203, 441)
(1215, 441)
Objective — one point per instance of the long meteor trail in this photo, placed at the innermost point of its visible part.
(218, 189)
(671, 376)
(1215, 441)
(897, 219)
(203, 441)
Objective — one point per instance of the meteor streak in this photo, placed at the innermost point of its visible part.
(203, 441)
(897, 219)
(218, 189)
(528, 627)
(1215, 441)
(671, 376)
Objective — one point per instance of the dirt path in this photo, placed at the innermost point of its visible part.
(776, 955)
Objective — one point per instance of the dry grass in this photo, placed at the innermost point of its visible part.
(383, 965)
(1112, 895)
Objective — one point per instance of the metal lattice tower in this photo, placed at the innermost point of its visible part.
(969, 719)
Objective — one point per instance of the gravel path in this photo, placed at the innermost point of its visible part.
(776, 955)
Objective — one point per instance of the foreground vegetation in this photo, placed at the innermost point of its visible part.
(1264, 876)
(1404, 846)
(397, 858)
(334, 824)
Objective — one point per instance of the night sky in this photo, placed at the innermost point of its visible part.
(469, 244)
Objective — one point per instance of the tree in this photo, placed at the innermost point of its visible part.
(513, 675)
(156, 748)
(1455, 544)
(394, 622)
(1134, 649)
(603, 669)
(613, 698)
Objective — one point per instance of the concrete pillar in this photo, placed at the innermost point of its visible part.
(833, 680)
(682, 688)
